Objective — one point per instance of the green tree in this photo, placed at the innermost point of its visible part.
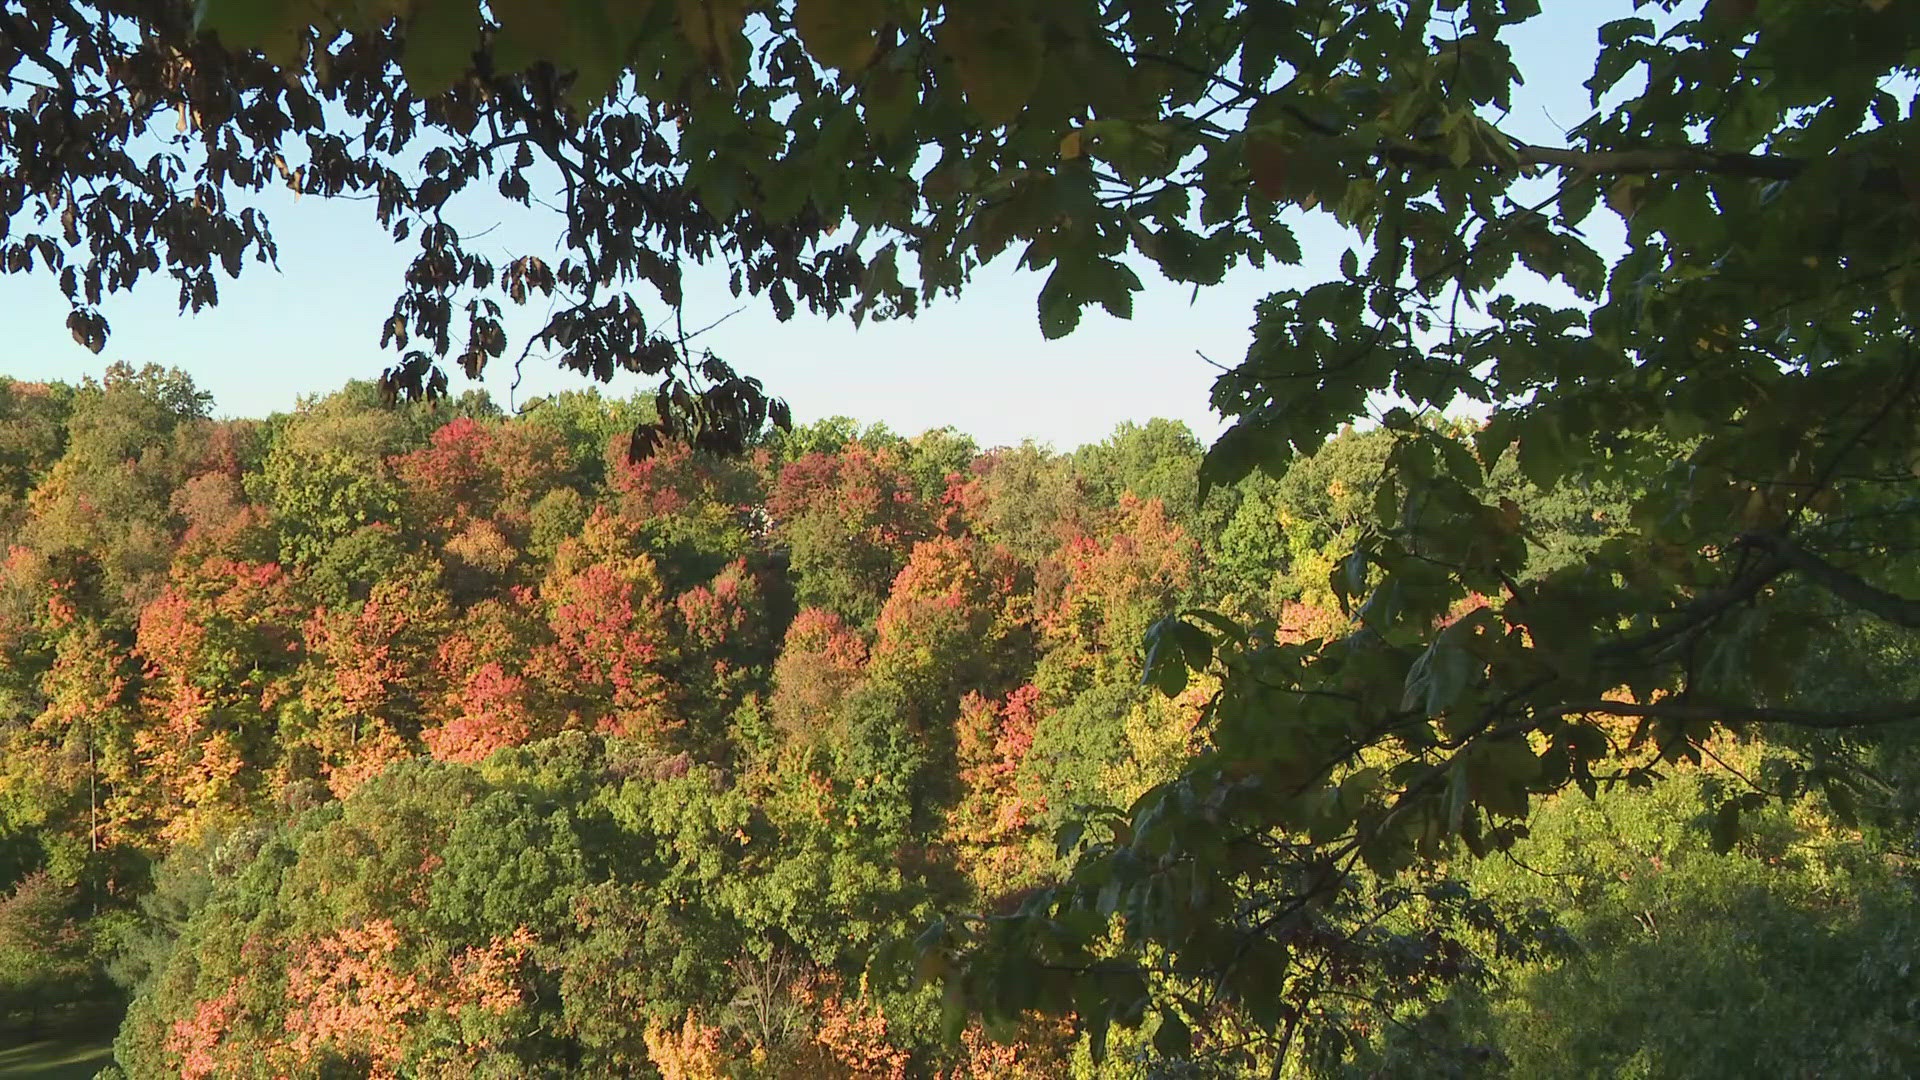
(131, 439)
(45, 956)
(1796, 942)
(327, 473)
(1159, 459)
(33, 433)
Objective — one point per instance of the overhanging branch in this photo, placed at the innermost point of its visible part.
(1662, 159)
(1844, 585)
(1688, 711)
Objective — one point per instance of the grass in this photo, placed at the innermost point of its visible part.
(56, 1059)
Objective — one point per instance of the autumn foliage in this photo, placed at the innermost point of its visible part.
(497, 748)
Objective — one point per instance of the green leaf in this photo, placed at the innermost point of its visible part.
(1841, 801)
(1166, 666)
(1078, 282)
(1228, 628)
(1620, 31)
(591, 40)
(1172, 1039)
(714, 29)
(1441, 676)
(840, 33)
(1459, 460)
(1195, 646)
(1725, 830)
(1067, 837)
(278, 29)
(996, 48)
(953, 1010)
(441, 38)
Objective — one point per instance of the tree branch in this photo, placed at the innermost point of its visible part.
(1807, 718)
(1843, 584)
(1701, 611)
(1662, 159)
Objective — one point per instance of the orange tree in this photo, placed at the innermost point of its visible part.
(1745, 359)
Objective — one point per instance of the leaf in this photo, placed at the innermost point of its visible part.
(953, 1009)
(1195, 646)
(840, 33)
(1441, 675)
(713, 28)
(1229, 629)
(1459, 460)
(577, 37)
(1268, 156)
(1840, 800)
(1626, 195)
(1352, 576)
(1166, 665)
(1067, 837)
(1725, 830)
(1076, 283)
(998, 53)
(1457, 797)
(1620, 31)
(441, 38)
(1172, 1039)
(275, 27)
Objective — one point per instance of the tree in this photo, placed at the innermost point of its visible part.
(370, 676)
(44, 955)
(33, 434)
(1745, 361)
(610, 642)
(849, 521)
(1794, 940)
(1159, 459)
(218, 643)
(131, 439)
(328, 475)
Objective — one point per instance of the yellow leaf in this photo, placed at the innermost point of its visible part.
(1070, 144)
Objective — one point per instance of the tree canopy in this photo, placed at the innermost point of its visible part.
(1738, 379)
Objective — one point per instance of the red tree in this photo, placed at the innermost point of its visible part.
(610, 633)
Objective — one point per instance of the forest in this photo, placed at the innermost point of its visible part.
(429, 741)
(1522, 682)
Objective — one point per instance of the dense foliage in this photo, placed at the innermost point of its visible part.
(433, 742)
(1719, 411)
(427, 740)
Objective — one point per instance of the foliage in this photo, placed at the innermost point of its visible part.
(44, 950)
(1796, 931)
(1716, 417)
(371, 761)
(849, 521)
(777, 799)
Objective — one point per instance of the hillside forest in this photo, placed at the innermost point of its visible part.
(423, 740)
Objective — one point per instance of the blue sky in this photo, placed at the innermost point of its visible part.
(978, 364)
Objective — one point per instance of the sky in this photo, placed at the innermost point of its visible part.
(978, 363)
